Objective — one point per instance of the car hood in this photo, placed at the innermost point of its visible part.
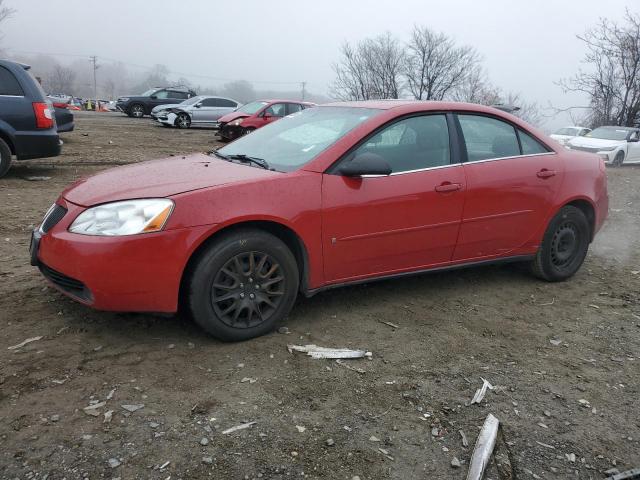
(165, 107)
(230, 117)
(594, 142)
(161, 178)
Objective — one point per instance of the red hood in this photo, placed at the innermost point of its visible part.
(160, 178)
(230, 117)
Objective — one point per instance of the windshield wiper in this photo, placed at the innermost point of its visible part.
(255, 160)
(218, 154)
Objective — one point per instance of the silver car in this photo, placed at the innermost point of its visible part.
(202, 110)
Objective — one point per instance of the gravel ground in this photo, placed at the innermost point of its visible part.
(563, 359)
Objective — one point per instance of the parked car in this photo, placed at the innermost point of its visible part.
(338, 194)
(27, 121)
(140, 105)
(255, 115)
(565, 134)
(615, 145)
(206, 110)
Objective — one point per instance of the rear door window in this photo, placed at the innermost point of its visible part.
(488, 138)
(9, 84)
(178, 95)
(211, 102)
(530, 146)
(293, 108)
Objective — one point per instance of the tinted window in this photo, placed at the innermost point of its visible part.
(161, 94)
(276, 110)
(486, 137)
(174, 94)
(293, 107)
(530, 146)
(211, 102)
(9, 84)
(412, 144)
(223, 102)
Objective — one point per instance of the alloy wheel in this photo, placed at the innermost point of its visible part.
(248, 289)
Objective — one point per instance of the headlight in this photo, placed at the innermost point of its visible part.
(608, 149)
(237, 122)
(129, 217)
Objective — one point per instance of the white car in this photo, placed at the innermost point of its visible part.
(204, 112)
(565, 134)
(615, 145)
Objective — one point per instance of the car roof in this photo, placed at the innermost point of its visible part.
(409, 106)
(281, 100)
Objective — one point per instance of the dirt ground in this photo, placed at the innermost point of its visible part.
(575, 396)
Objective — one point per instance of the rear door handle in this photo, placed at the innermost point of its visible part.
(544, 173)
(448, 187)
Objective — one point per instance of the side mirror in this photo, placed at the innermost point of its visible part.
(634, 140)
(198, 105)
(366, 164)
(153, 97)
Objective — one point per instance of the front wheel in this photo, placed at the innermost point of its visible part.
(136, 111)
(564, 246)
(5, 158)
(243, 285)
(619, 159)
(183, 121)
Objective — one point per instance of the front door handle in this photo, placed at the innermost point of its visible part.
(544, 173)
(448, 187)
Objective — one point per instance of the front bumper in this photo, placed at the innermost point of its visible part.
(166, 118)
(230, 132)
(136, 273)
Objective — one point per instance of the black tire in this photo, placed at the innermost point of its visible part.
(618, 160)
(5, 158)
(136, 110)
(242, 264)
(183, 120)
(564, 246)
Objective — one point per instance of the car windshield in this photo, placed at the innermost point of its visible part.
(148, 93)
(569, 131)
(295, 140)
(251, 108)
(609, 133)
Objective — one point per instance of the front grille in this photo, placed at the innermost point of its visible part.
(70, 285)
(586, 149)
(55, 214)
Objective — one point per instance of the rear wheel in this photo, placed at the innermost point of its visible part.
(183, 120)
(564, 246)
(243, 285)
(5, 158)
(619, 159)
(136, 111)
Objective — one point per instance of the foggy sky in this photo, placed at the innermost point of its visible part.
(526, 45)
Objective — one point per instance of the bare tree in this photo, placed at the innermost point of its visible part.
(60, 80)
(435, 67)
(476, 88)
(371, 69)
(612, 79)
(5, 13)
(528, 111)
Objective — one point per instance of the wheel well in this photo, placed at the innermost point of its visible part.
(8, 141)
(288, 236)
(588, 211)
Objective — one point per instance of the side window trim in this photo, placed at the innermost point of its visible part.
(463, 145)
(455, 152)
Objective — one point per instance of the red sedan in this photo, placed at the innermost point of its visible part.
(256, 115)
(333, 195)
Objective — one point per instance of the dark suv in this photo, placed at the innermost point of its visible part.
(27, 122)
(140, 105)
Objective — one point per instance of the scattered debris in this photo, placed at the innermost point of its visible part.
(204, 441)
(322, 352)
(25, 342)
(113, 462)
(555, 343)
(386, 453)
(301, 429)
(108, 416)
(330, 442)
(484, 447)
(248, 380)
(133, 408)
(373, 438)
(392, 325)
(571, 457)
(553, 300)
(455, 463)
(207, 460)
(110, 394)
(480, 393)
(93, 409)
(542, 425)
(238, 427)
(465, 442)
(594, 306)
(346, 365)
(545, 445)
(37, 178)
(284, 331)
(627, 475)
(165, 465)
